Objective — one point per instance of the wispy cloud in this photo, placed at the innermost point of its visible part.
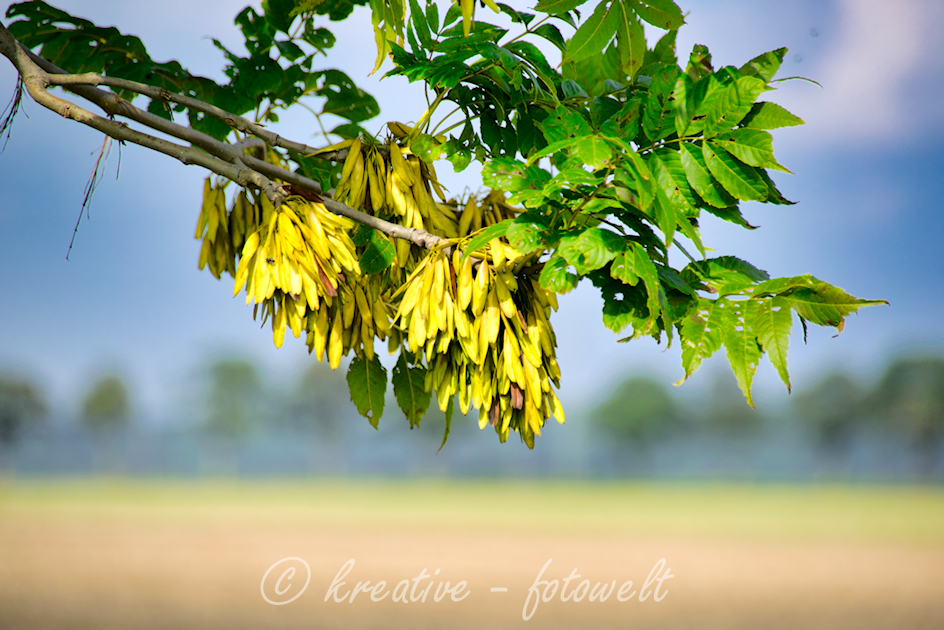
(878, 73)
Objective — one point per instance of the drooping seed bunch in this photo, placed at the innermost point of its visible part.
(485, 336)
(478, 324)
(349, 322)
(294, 261)
(213, 226)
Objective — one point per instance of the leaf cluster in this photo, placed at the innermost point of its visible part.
(616, 154)
(276, 71)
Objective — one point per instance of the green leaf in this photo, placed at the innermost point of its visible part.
(663, 14)
(731, 214)
(550, 149)
(740, 344)
(696, 171)
(450, 409)
(765, 66)
(564, 124)
(409, 389)
(552, 34)
(555, 276)
(426, 148)
(647, 271)
(344, 98)
(629, 267)
(732, 104)
(826, 305)
(742, 181)
(367, 381)
(700, 334)
(504, 173)
(644, 180)
(665, 215)
(518, 17)
(572, 89)
(772, 320)
(278, 13)
(752, 146)
(432, 16)
(623, 267)
(725, 274)
(699, 63)
(590, 249)
(482, 237)
(766, 115)
(671, 278)
(774, 196)
(525, 232)
(594, 34)
(460, 159)
(594, 151)
(814, 300)
(290, 50)
(555, 7)
(631, 40)
(663, 53)
(659, 117)
(453, 14)
(418, 19)
(378, 255)
(666, 166)
(602, 108)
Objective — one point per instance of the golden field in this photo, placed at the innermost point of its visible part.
(148, 554)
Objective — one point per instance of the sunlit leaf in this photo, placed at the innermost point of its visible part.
(482, 238)
(594, 34)
(594, 151)
(664, 14)
(752, 146)
(631, 40)
(590, 249)
(740, 180)
(766, 115)
(765, 66)
(740, 344)
(700, 334)
(555, 276)
(772, 320)
(696, 171)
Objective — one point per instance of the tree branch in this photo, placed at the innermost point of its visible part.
(226, 160)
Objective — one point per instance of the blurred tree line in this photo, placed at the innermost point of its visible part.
(235, 401)
(907, 401)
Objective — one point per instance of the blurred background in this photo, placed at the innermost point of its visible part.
(157, 453)
(234, 420)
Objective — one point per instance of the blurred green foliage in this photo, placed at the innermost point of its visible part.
(832, 410)
(235, 398)
(21, 403)
(107, 405)
(638, 410)
(909, 398)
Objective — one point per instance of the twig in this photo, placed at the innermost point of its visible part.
(94, 179)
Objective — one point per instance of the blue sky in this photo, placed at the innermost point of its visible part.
(867, 176)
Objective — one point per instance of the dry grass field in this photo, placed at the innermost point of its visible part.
(125, 554)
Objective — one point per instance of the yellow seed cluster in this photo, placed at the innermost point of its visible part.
(480, 324)
(486, 336)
